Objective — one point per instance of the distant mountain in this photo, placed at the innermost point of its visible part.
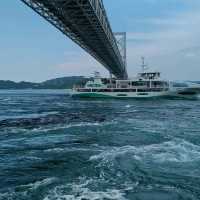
(57, 83)
(198, 82)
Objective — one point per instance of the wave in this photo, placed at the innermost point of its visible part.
(38, 184)
(52, 127)
(24, 191)
(29, 115)
(72, 125)
(80, 191)
(89, 189)
(69, 149)
(175, 151)
(31, 121)
(89, 195)
(128, 106)
(82, 124)
(7, 99)
(17, 110)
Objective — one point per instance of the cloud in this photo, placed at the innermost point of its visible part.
(192, 51)
(169, 46)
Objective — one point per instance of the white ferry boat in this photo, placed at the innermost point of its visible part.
(145, 85)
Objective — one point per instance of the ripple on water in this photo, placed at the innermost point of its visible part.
(123, 149)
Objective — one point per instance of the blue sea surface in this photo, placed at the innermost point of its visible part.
(53, 147)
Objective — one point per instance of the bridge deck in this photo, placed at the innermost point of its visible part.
(86, 23)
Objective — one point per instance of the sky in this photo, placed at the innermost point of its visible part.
(166, 32)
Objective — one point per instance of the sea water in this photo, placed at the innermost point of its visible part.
(53, 147)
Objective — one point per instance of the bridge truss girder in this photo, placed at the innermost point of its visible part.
(85, 22)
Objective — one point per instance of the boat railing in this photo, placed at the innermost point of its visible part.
(143, 87)
(121, 89)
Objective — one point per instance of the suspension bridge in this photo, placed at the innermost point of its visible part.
(86, 23)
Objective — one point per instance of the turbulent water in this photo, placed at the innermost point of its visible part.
(53, 147)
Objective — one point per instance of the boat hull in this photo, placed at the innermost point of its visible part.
(187, 93)
(121, 95)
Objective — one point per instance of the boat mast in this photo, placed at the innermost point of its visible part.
(144, 66)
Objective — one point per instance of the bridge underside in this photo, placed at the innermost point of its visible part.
(86, 23)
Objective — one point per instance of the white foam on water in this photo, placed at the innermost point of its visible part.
(29, 158)
(7, 196)
(37, 184)
(13, 195)
(17, 110)
(60, 127)
(12, 130)
(81, 191)
(172, 151)
(57, 127)
(73, 125)
(71, 149)
(29, 115)
(58, 150)
(89, 195)
(128, 106)
(6, 99)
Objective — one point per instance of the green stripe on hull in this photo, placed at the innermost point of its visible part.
(97, 95)
(91, 95)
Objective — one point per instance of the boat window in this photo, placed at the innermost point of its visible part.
(139, 83)
(144, 90)
(158, 89)
(143, 94)
(94, 85)
(159, 84)
(151, 90)
(150, 75)
(121, 95)
(120, 90)
(124, 90)
(84, 90)
(101, 90)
